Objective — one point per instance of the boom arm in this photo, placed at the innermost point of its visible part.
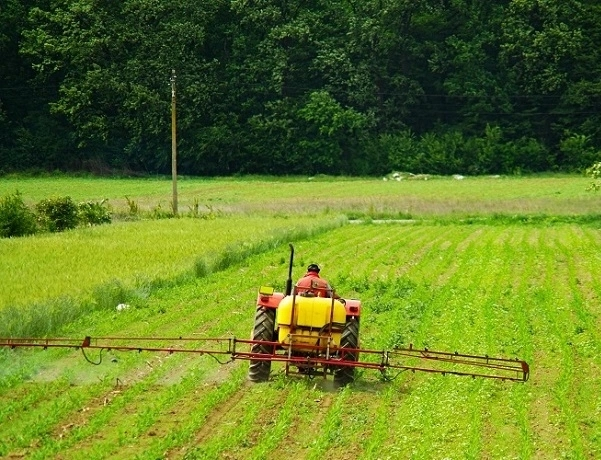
(399, 359)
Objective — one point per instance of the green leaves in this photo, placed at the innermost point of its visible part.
(297, 87)
(541, 41)
(16, 219)
(114, 60)
(327, 115)
(57, 214)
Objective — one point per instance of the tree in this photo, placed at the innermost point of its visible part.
(541, 41)
(29, 136)
(302, 86)
(113, 60)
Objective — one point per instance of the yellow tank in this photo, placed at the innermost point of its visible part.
(308, 322)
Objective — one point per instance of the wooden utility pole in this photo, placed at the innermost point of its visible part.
(173, 144)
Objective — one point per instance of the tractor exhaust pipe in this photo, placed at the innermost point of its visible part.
(289, 280)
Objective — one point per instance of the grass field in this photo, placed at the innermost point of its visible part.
(128, 253)
(521, 288)
(419, 198)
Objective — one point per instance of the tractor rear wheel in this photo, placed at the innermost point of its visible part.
(264, 326)
(349, 339)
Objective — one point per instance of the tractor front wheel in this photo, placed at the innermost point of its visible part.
(264, 327)
(349, 339)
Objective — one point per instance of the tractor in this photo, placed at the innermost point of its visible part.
(311, 326)
(317, 332)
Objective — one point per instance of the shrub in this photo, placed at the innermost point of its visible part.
(577, 151)
(16, 219)
(93, 213)
(57, 214)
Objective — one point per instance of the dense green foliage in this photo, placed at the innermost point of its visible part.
(57, 214)
(297, 87)
(93, 213)
(50, 215)
(16, 219)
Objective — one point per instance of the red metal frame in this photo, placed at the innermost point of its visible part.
(353, 306)
(317, 357)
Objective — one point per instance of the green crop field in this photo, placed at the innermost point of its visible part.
(130, 253)
(526, 288)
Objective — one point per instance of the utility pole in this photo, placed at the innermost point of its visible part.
(173, 144)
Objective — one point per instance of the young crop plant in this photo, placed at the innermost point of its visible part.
(195, 419)
(268, 443)
(332, 427)
(250, 407)
(126, 396)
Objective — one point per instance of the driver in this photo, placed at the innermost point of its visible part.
(313, 285)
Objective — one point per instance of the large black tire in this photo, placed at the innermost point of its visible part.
(349, 339)
(264, 327)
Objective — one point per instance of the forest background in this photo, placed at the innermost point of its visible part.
(343, 87)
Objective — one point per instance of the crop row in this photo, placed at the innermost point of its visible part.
(513, 291)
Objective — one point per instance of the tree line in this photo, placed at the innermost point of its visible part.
(355, 87)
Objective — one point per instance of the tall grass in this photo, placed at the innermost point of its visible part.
(47, 317)
(237, 253)
(358, 197)
(39, 268)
